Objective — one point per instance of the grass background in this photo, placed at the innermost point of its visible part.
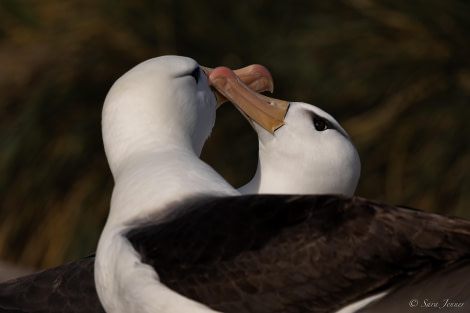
(396, 74)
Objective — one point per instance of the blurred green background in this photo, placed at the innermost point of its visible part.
(396, 74)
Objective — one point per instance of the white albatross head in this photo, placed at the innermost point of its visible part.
(162, 101)
(310, 154)
(302, 149)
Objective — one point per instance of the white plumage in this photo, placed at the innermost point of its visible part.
(301, 158)
(155, 121)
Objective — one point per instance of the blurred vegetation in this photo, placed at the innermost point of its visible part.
(396, 74)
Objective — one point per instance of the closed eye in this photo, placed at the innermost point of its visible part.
(196, 74)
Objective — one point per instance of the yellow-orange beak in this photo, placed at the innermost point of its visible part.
(255, 76)
(268, 112)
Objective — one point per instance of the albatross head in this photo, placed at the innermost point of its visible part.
(165, 100)
(310, 154)
(302, 149)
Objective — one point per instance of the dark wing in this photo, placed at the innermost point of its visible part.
(267, 254)
(271, 253)
(67, 288)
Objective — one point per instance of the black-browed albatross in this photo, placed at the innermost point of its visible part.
(310, 154)
(291, 162)
(264, 253)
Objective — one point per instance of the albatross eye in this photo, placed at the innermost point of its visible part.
(320, 123)
(196, 73)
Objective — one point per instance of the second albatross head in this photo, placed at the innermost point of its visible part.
(310, 154)
(302, 149)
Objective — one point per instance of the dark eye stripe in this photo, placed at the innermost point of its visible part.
(322, 124)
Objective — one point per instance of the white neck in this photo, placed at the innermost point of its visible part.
(147, 185)
(290, 179)
(124, 284)
(299, 176)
